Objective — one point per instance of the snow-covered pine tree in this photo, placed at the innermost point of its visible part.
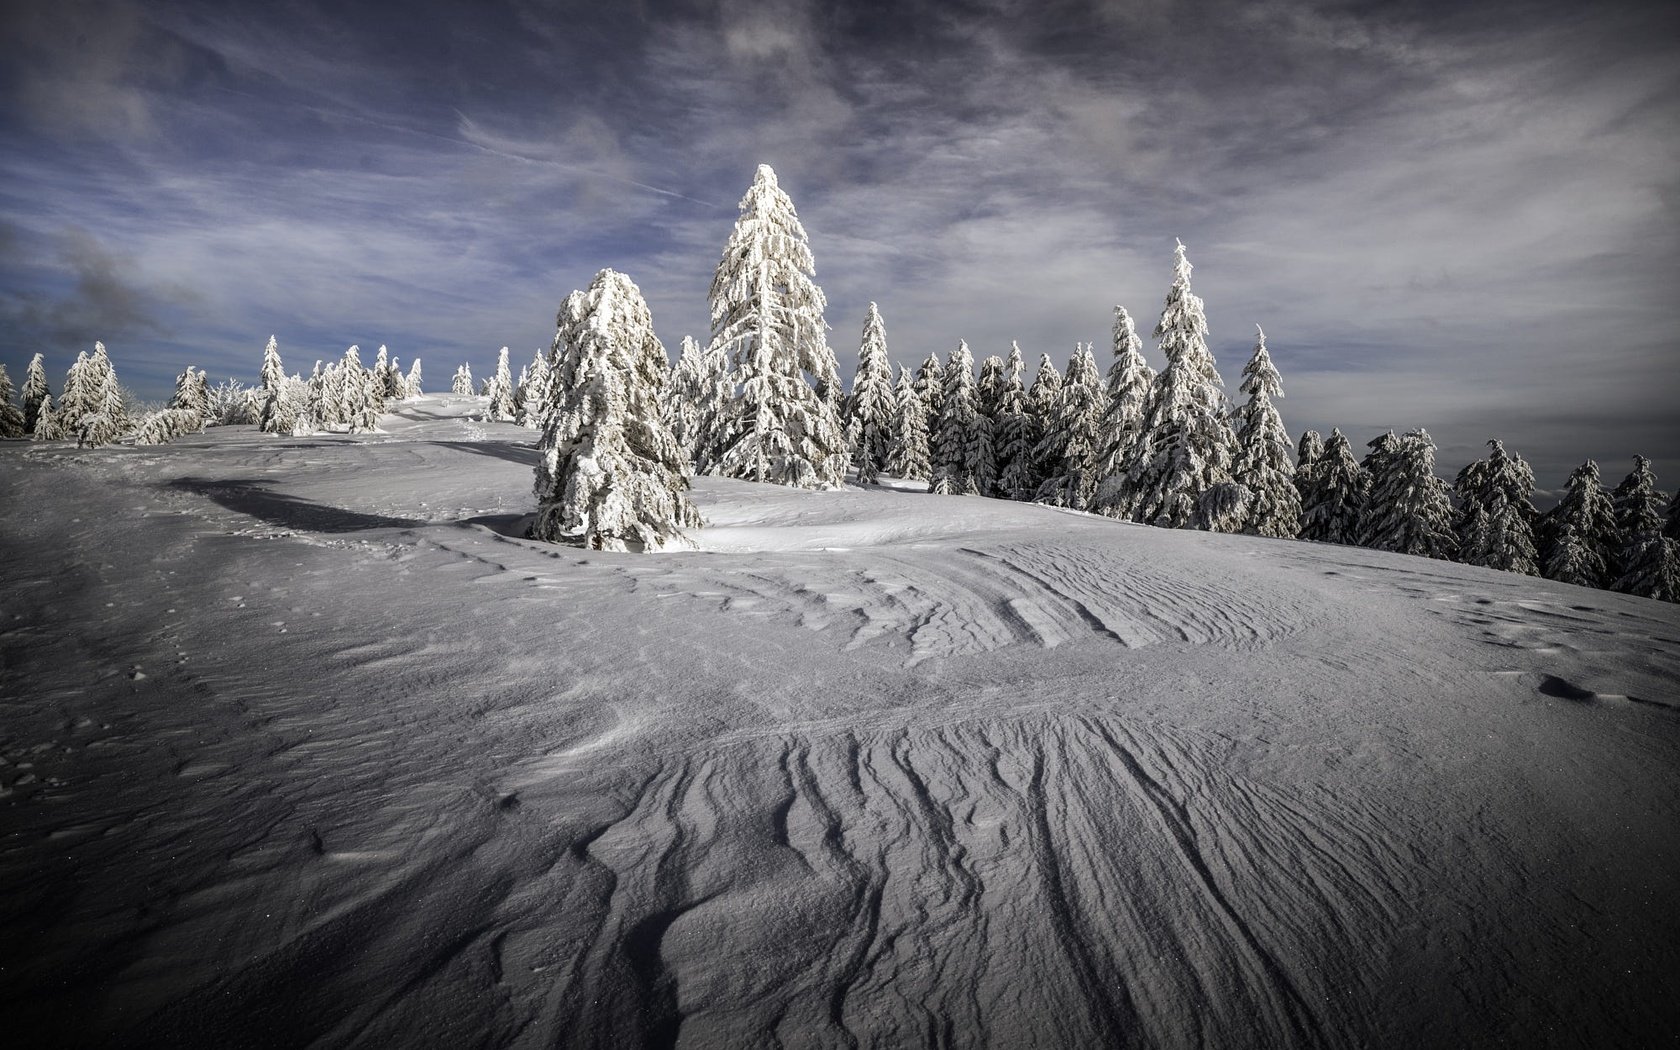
(11, 417)
(1501, 487)
(679, 407)
(1263, 463)
(871, 404)
(1126, 395)
(188, 388)
(535, 396)
(767, 314)
(35, 391)
(160, 428)
(930, 387)
(313, 416)
(610, 475)
(1648, 562)
(500, 391)
(908, 457)
(1012, 434)
(989, 390)
(77, 398)
(962, 454)
(1384, 447)
(1044, 399)
(1333, 512)
(1409, 509)
(1068, 449)
(360, 411)
(411, 382)
(1578, 536)
(378, 377)
(463, 382)
(104, 416)
(279, 413)
(1186, 441)
(707, 390)
(1307, 454)
(47, 427)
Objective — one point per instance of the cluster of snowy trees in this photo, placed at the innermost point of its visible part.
(92, 407)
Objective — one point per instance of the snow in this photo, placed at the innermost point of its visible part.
(302, 741)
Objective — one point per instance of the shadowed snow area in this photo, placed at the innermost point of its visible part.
(301, 743)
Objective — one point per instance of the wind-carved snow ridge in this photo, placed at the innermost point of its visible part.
(1042, 881)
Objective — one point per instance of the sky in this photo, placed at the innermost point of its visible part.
(1445, 215)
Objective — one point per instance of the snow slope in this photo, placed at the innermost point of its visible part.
(303, 744)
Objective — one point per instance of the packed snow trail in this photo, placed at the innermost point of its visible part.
(303, 744)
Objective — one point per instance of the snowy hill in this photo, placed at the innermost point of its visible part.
(303, 743)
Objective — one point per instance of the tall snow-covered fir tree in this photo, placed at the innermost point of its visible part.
(767, 314)
(930, 387)
(1127, 394)
(1578, 541)
(1307, 454)
(358, 409)
(1496, 512)
(610, 475)
(962, 450)
(1044, 399)
(76, 397)
(11, 416)
(1647, 562)
(871, 405)
(378, 376)
(1409, 509)
(463, 381)
(46, 422)
(1333, 512)
(908, 458)
(279, 413)
(988, 392)
(100, 415)
(500, 390)
(1384, 447)
(1012, 433)
(411, 382)
(1068, 447)
(1186, 443)
(1264, 466)
(35, 391)
(192, 395)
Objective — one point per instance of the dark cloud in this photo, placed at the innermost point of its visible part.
(105, 297)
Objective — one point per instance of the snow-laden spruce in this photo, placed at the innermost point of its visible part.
(1186, 441)
(1496, 512)
(192, 395)
(988, 392)
(1127, 395)
(1263, 463)
(462, 383)
(1332, 513)
(1067, 448)
(47, 427)
(1647, 562)
(930, 387)
(697, 404)
(534, 397)
(279, 412)
(909, 456)
(411, 382)
(963, 445)
(358, 404)
(35, 391)
(1012, 433)
(162, 427)
(610, 475)
(11, 416)
(1043, 399)
(499, 390)
(94, 410)
(1578, 536)
(871, 405)
(767, 315)
(1307, 454)
(1408, 509)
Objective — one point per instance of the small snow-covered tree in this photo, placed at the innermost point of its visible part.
(499, 390)
(1263, 465)
(930, 387)
(1648, 562)
(77, 397)
(610, 475)
(103, 415)
(358, 409)
(1068, 447)
(35, 391)
(462, 384)
(1501, 487)
(767, 314)
(1186, 441)
(1383, 448)
(1012, 433)
(279, 412)
(535, 396)
(378, 376)
(1578, 536)
(1333, 513)
(1044, 399)
(963, 448)
(1127, 394)
(192, 394)
(47, 426)
(160, 428)
(1307, 454)
(871, 405)
(1409, 509)
(11, 417)
(908, 457)
(679, 406)
(411, 383)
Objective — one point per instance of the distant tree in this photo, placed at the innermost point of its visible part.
(988, 393)
(871, 405)
(11, 417)
(767, 314)
(1333, 513)
(1186, 442)
(1376, 464)
(279, 411)
(103, 416)
(1127, 394)
(610, 475)
(1044, 399)
(930, 387)
(1578, 536)
(47, 426)
(962, 452)
(77, 396)
(1263, 463)
(500, 390)
(35, 391)
(358, 408)
(908, 458)
(1409, 509)
(192, 394)
(1068, 448)
(377, 377)
(462, 384)
(1501, 535)
(1012, 434)
(1307, 454)
(411, 383)
(1648, 562)
(535, 397)
(159, 428)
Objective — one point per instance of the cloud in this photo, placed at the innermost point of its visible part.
(104, 295)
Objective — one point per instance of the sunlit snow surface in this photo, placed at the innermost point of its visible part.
(302, 743)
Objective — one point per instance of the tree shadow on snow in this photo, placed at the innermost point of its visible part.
(251, 497)
(524, 455)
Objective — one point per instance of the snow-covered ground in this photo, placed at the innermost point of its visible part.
(303, 743)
